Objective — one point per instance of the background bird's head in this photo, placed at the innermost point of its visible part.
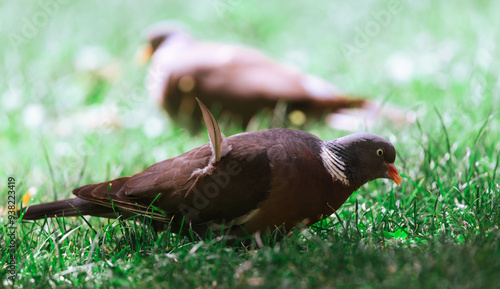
(161, 33)
(164, 35)
(365, 157)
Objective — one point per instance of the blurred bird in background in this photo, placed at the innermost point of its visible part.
(239, 81)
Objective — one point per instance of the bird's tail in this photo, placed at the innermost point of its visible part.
(338, 102)
(65, 208)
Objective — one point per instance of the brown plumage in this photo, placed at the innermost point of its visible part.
(237, 80)
(253, 181)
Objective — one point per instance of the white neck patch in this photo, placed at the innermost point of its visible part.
(334, 165)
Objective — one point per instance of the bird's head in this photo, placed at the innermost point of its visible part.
(160, 33)
(360, 158)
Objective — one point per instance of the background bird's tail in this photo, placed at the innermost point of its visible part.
(65, 208)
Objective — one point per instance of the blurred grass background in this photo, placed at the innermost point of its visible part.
(74, 110)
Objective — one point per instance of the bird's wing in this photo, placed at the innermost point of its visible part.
(235, 186)
(247, 72)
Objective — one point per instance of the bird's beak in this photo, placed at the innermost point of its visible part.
(393, 173)
(144, 53)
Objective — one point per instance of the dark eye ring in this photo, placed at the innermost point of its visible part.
(380, 152)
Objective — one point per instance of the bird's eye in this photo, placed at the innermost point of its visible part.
(380, 152)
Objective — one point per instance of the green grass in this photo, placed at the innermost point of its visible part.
(439, 229)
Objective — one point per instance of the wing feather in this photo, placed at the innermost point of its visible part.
(213, 130)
